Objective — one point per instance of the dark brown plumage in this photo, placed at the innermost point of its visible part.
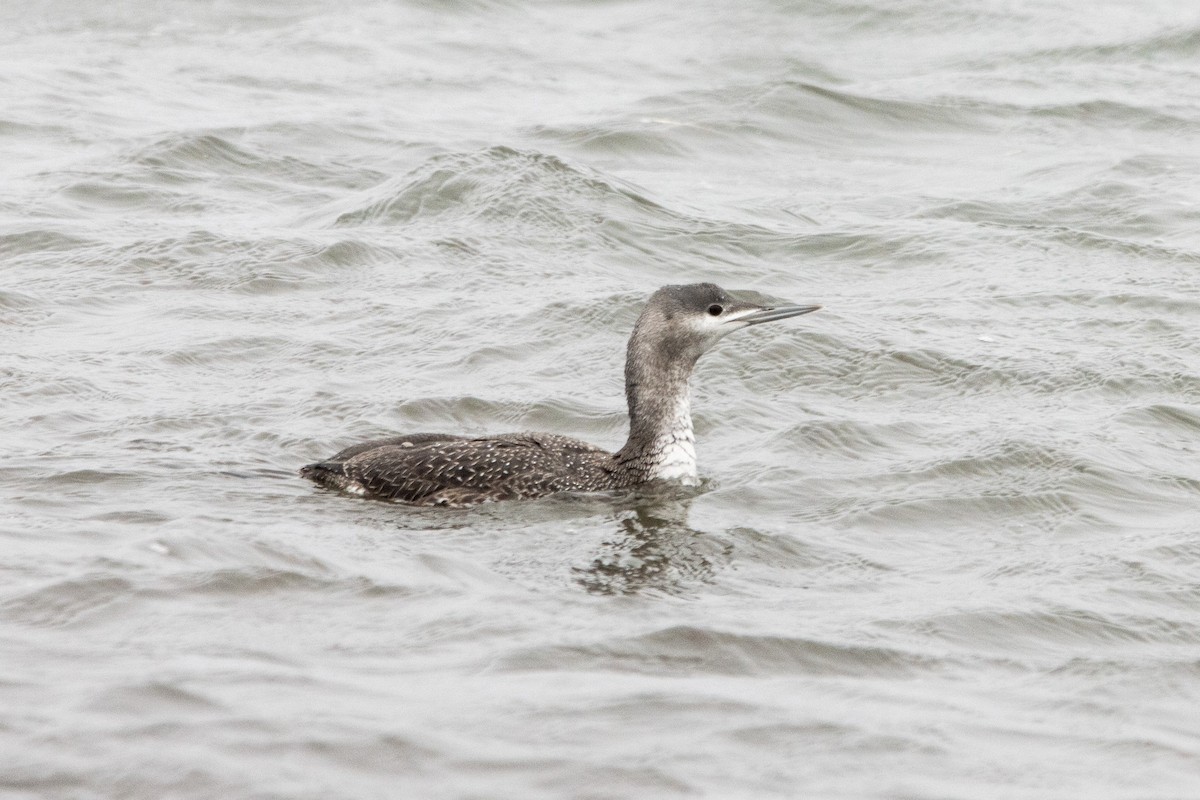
(677, 326)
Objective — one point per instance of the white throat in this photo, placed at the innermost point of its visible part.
(674, 448)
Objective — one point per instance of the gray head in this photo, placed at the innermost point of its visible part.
(680, 323)
(676, 327)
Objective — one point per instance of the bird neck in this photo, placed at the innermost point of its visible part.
(661, 441)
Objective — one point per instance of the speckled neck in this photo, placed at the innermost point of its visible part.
(661, 441)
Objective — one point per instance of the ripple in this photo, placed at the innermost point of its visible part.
(65, 602)
(384, 752)
(196, 151)
(17, 301)
(119, 194)
(1184, 420)
(40, 241)
(627, 140)
(498, 186)
(209, 259)
(268, 580)
(153, 698)
(1056, 630)
(1108, 114)
(252, 580)
(63, 481)
(796, 111)
(194, 157)
(1183, 40)
(691, 650)
(853, 439)
(1134, 205)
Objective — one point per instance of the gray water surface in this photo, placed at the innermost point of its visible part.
(947, 541)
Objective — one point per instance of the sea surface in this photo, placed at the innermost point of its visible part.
(946, 545)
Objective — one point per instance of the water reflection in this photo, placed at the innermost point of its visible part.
(654, 549)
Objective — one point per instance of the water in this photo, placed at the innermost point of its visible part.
(947, 544)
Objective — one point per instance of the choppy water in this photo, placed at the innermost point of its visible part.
(948, 542)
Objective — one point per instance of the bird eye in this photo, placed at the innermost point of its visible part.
(715, 309)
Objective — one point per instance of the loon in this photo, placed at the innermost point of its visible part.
(678, 324)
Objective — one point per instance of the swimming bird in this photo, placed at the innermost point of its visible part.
(676, 327)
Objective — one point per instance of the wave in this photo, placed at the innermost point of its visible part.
(498, 185)
(695, 650)
(1056, 630)
(199, 156)
(64, 602)
(763, 115)
(1102, 213)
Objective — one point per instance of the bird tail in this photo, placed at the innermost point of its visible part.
(326, 473)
